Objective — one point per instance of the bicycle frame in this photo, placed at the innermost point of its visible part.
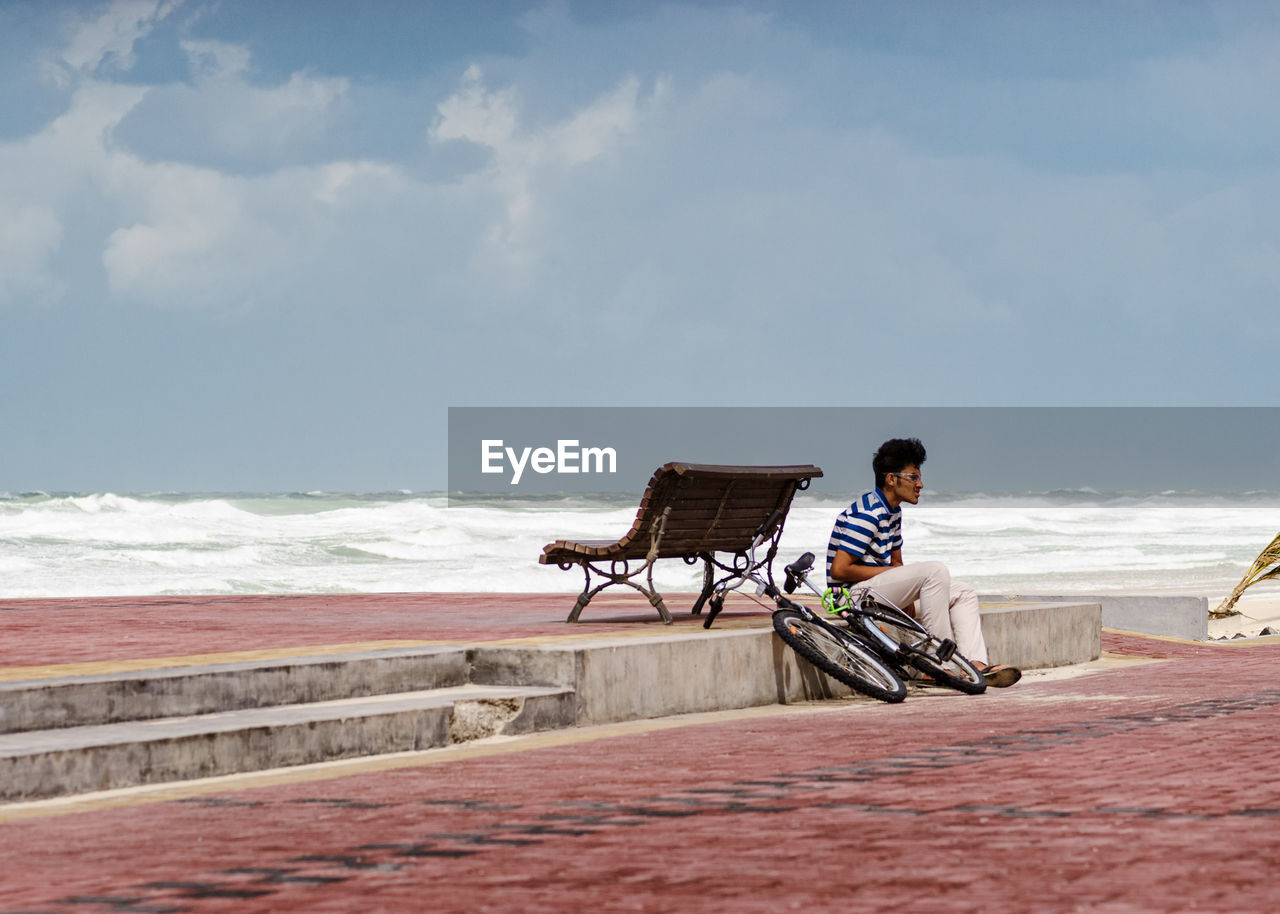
(871, 606)
(858, 597)
(858, 611)
(869, 612)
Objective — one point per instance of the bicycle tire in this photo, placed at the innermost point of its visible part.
(957, 673)
(844, 659)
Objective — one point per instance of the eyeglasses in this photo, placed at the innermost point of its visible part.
(910, 477)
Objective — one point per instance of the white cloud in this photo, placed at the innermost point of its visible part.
(596, 129)
(188, 215)
(491, 119)
(178, 235)
(203, 239)
(40, 176)
(524, 159)
(214, 60)
(225, 119)
(362, 183)
(107, 41)
(245, 121)
(475, 114)
(29, 237)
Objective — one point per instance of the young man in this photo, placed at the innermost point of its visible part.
(866, 543)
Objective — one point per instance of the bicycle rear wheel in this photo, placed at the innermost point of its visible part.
(842, 658)
(957, 672)
(924, 651)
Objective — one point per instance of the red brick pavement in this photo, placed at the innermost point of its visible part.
(37, 632)
(1148, 788)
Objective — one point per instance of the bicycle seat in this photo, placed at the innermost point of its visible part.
(797, 570)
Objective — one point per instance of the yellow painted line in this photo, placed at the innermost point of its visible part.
(94, 667)
(1235, 642)
(143, 664)
(1112, 660)
(1170, 638)
(327, 771)
(1117, 655)
(653, 632)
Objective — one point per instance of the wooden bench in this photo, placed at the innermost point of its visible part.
(693, 512)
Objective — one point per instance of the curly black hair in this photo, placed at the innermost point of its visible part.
(896, 455)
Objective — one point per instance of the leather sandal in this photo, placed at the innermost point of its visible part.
(1002, 676)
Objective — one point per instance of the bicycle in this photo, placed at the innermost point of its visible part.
(894, 633)
(876, 625)
(834, 651)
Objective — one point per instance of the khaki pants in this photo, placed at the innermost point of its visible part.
(947, 609)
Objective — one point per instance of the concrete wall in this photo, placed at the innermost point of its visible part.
(1046, 634)
(629, 678)
(1176, 617)
(632, 678)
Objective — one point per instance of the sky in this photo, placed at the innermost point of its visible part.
(263, 245)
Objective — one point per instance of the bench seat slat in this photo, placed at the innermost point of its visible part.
(748, 502)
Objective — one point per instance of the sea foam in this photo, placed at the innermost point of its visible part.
(108, 544)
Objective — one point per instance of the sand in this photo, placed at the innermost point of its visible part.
(1254, 614)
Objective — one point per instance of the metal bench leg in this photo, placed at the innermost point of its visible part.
(587, 593)
(614, 578)
(585, 597)
(583, 600)
(652, 595)
(656, 599)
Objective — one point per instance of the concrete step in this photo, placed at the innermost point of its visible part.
(47, 763)
(60, 736)
(44, 704)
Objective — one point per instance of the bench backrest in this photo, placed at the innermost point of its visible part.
(713, 508)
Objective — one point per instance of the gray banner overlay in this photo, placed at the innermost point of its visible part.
(538, 451)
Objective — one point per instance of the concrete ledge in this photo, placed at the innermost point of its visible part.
(45, 704)
(682, 674)
(630, 678)
(1176, 617)
(1039, 635)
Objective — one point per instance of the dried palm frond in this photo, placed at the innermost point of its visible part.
(1266, 565)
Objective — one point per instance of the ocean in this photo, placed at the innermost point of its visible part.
(59, 545)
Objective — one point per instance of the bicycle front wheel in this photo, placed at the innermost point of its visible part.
(841, 658)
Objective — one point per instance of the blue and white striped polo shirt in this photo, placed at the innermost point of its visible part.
(868, 529)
